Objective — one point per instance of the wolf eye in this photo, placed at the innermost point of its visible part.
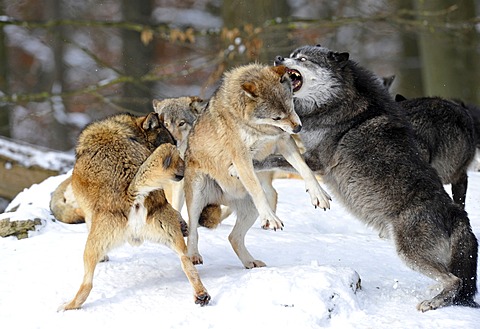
(277, 119)
(181, 123)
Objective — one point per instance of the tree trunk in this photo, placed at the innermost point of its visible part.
(136, 57)
(448, 62)
(4, 110)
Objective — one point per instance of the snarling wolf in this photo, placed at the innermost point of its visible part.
(357, 138)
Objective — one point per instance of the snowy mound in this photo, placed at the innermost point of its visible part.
(311, 279)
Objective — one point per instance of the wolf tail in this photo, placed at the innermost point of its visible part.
(463, 263)
(212, 215)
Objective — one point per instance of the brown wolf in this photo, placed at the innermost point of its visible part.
(179, 115)
(121, 164)
(249, 117)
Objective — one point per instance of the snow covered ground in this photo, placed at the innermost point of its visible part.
(309, 282)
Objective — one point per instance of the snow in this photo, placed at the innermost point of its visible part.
(309, 281)
(28, 155)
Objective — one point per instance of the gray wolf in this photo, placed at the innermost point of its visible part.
(445, 135)
(357, 138)
(121, 164)
(250, 116)
(178, 115)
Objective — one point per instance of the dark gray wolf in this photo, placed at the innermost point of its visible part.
(121, 165)
(358, 139)
(445, 133)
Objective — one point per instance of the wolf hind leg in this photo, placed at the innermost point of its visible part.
(165, 226)
(246, 216)
(199, 192)
(463, 262)
(459, 189)
(101, 238)
(427, 250)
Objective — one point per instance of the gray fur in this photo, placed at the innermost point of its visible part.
(359, 140)
(445, 133)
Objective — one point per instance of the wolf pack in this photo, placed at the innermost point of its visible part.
(317, 113)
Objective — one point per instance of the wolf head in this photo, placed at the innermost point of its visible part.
(153, 130)
(268, 98)
(317, 73)
(178, 115)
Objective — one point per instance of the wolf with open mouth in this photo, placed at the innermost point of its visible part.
(358, 139)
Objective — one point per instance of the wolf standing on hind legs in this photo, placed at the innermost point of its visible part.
(358, 139)
(249, 117)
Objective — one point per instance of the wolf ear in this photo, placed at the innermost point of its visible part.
(250, 89)
(152, 121)
(281, 70)
(339, 58)
(156, 103)
(167, 161)
(388, 81)
(197, 105)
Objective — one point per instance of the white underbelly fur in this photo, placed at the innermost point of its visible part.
(137, 220)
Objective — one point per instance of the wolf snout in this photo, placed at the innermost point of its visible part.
(279, 60)
(297, 129)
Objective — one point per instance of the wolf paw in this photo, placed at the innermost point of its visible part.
(184, 227)
(319, 197)
(433, 304)
(202, 299)
(273, 224)
(196, 259)
(255, 263)
(67, 306)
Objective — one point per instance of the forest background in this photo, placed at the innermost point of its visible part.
(64, 63)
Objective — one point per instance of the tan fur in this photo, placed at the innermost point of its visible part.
(249, 117)
(64, 206)
(179, 115)
(121, 165)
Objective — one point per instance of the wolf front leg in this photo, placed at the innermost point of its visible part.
(164, 226)
(246, 173)
(289, 150)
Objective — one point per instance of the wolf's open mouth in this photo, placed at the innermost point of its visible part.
(296, 78)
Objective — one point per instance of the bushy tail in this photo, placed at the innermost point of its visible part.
(212, 215)
(64, 206)
(464, 258)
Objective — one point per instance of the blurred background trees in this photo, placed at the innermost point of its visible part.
(64, 63)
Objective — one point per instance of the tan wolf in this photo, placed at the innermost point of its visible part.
(179, 115)
(121, 164)
(250, 116)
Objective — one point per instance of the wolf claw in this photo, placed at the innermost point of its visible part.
(202, 299)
